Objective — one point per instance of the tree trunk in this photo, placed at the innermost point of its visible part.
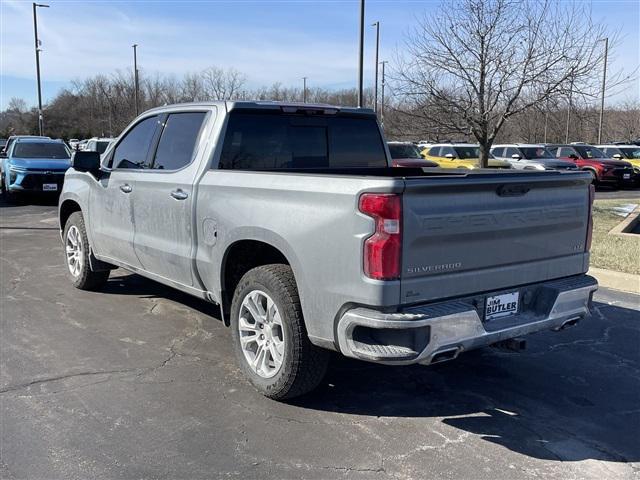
(484, 153)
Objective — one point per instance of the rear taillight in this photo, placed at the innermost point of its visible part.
(592, 195)
(382, 249)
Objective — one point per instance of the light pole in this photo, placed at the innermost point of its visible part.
(135, 75)
(375, 87)
(361, 56)
(37, 44)
(304, 89)
(382, 95)
(604, 81)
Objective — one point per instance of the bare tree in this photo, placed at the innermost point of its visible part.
(476, 63)
(17, 105)
(220, 84)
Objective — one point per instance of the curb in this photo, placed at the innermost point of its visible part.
(628, 224)
(626, 282)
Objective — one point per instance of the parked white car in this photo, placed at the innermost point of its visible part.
(526, 156)
(96, 144)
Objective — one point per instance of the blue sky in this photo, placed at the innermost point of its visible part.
(269, 41)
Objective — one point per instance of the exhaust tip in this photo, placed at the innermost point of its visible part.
(445, 355)
(572, 322)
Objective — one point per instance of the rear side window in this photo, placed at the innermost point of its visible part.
(178, 140)
(256, 141)
(434, 151)
(132, 151)
(497, 152)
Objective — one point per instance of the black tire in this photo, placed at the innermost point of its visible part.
(6, 194)
(86, 279)
(304, 365)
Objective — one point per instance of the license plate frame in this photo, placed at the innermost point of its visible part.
(501, 305)
(49, 187)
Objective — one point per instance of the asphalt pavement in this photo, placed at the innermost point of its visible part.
(139, 381)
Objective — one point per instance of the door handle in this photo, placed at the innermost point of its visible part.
(126, 188)
(179, 194)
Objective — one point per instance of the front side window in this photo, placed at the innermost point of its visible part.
(178, 140)
(631, 153)
(510, 152)
(40, 150)
(534, 153)
(590, 152)
(133, 150)
(467, 152)
(268, 141)
(444, 151)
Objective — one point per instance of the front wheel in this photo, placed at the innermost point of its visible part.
(269, 336)
(76, 254)
(8, 196)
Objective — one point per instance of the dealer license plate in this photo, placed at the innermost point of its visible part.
(49, 187)
(501, 305)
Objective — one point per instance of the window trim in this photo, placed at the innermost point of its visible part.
(158, 136)
(155, 141)
(109, 159)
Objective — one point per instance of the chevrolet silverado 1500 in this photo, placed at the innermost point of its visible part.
(292, 220)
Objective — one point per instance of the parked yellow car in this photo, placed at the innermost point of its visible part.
(459, 155)
(628, 153)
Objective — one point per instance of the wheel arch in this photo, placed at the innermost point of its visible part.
(67, 207)
(240, 257)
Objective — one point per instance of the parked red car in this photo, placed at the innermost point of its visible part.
(604, 170)
(406, 154)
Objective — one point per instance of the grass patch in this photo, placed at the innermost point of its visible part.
(613, 252)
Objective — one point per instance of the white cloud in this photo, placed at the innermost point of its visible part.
(83, 39)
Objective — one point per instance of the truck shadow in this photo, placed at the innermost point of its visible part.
(571, 396)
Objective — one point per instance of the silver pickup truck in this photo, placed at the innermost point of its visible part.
(290, 218)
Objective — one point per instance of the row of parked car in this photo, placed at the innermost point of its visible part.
(30, 164)
(613, 165)
(38, 164)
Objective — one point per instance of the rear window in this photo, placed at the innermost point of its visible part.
(40, 150)
(257, 141)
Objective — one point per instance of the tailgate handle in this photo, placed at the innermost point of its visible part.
(512, 190)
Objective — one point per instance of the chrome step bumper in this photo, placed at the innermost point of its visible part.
(439, 332)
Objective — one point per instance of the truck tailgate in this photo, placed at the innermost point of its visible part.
(488, 231)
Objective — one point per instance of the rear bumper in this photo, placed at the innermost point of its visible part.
(435, 332)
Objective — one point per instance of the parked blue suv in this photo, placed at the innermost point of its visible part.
(34, 165)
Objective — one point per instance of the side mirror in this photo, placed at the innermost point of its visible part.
(450, 156)
(573, 156)
(617, 156)
(86, 162)
(515, 156)
(3, 154)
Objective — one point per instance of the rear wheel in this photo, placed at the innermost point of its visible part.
(77, 251)
(269, 336)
